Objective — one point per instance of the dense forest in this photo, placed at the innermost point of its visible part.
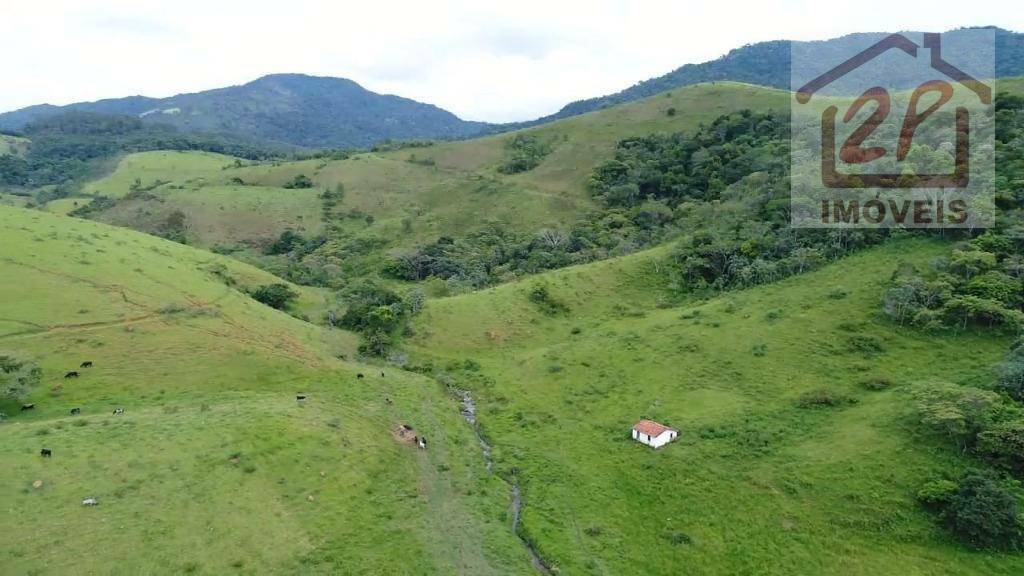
(69, 147)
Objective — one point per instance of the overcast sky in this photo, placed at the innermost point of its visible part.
(493, 61)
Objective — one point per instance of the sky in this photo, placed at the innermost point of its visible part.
(494, 61)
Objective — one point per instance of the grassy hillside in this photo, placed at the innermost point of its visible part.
(401, 198)
(756, 483)
(214, 467)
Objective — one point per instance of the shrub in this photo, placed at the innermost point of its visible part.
(937, 494)
(526, 153)
(547, 303)
(877, 383)
(824, 398)
(300, 181)
(277, 296)
(983, 513)
(17, 375)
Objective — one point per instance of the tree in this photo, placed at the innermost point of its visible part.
(300, 181)
(275, 295)
(1011, 374)
(983, 513)
(1004, 443)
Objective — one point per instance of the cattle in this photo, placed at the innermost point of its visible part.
(25, 407)
(90, 502)
(76, 411)
(421, 441)
(360, 376)
(118, 411)
(300, 397)
(407, 427)
(86, 364)
(388, 401)
(46, 453)
(381, 374)
(71, 375)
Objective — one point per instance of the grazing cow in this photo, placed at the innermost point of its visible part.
(360, 376)
(90, 502)
(71, 375)
(421, 441)
(46, 452)
(118, 411)
(301, 397)
(25, 407)
(407, 427)
(86, 364)
(381, 374)
(76, 411)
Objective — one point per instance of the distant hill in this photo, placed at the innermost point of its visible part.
(768, 64)
(289, 108)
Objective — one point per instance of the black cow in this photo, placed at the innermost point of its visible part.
(118, 411)
(301, 397)
(86, 364)
(381, 374)
(76, 411)
(360, 376)
(25, 407)
(46, 453)
(71, 375)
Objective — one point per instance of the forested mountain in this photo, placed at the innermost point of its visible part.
(289, 108)
(768, 64)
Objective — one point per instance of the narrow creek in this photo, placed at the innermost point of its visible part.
(469, 413)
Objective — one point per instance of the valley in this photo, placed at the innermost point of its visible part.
(424, 355)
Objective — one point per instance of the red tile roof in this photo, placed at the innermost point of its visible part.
(651, 428)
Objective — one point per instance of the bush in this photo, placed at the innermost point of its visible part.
(300, 182)
(526, 153)
(17, 375)
(824, 398)
(937, 494)
(983, 513)
(877, 383)
(277, 296)
(547, 303)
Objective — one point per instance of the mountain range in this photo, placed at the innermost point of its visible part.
(320, 112)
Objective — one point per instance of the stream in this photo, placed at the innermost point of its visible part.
(469, 413)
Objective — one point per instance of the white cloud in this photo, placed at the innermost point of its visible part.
(482, 60)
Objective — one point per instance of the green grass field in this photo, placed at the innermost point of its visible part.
(214, 468)
(756, 484)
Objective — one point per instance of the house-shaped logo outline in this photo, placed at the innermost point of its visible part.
(933, 42)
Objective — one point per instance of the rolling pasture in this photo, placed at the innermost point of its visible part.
(214, 467)
(763, 479)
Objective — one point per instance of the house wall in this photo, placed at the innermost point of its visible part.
(657, 441)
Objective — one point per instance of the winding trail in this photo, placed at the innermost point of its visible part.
(469, 413)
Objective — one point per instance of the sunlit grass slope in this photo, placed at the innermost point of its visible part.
(756, 484)
(214, 468)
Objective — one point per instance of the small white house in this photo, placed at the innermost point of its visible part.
(653, 434)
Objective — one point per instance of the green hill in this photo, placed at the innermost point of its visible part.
(760, 481)
(214, 466)
(295, 109)
(394, 200)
